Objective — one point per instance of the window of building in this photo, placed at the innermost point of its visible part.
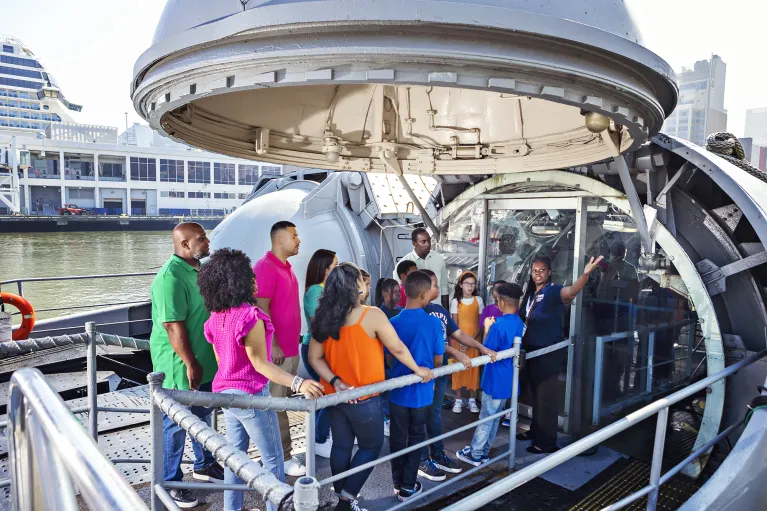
(223, 173)
(268, 170)
(81, 193)
(7, 48)
(224, 195)
(172, 194)
(172, 171)
(18, 61)
(14, 71)
(75, 168)
(143, 169)
(111, 171)
(199, 172)
(242, 196)
(199, 195)
(24, 84)
(44, 167)
(248, 174)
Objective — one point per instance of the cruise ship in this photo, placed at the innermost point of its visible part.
(62, 161)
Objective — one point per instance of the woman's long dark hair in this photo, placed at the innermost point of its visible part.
(384, 284)
(458, 292)
(341, 295)
(226, 280)
(530, 286)
(318, 264)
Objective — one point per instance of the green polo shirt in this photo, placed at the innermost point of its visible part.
(176, 297)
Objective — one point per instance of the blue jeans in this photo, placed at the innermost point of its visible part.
(262, 427)
(484, 435)
(173, 438)
(434, 420)
(322, 430)
(408, 427)
(364, 421)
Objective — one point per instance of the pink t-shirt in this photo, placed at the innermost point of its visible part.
(277, 282)
(226, 331)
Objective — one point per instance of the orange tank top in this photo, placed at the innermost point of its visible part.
(468, 317)
(356, 358)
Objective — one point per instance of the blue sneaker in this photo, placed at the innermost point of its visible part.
(465, 456)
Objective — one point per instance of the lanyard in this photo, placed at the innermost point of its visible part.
(531, 303)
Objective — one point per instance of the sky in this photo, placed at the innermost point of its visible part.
(90, 46)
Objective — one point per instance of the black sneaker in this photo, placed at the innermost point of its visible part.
(408, 494)
(443, 462)
(183, 498)
(212, 474)
(429, 470)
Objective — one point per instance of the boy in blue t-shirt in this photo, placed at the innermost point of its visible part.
(434, 461)
(409, 406)
(497, 377)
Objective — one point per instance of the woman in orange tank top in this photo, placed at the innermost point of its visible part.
(347, 350)
(466, 308)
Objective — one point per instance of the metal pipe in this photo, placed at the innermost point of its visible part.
(123, 410)
(100, 484)
(657, 459)
(597, 401)
(79, 277)
(514, 403)
(47, 466)
(637, 212)
(628, 500)
(482, 264)
(252, 473)
(90, 361)
(183, 485)
(311, 432)
(157, 467)
(678, 468)
(164, 498)
(548, 349)
(507, 484)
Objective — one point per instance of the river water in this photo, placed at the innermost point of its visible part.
(86, 253)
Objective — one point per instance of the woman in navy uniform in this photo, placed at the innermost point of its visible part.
(543, 312)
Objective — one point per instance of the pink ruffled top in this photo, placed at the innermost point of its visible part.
(226, 331)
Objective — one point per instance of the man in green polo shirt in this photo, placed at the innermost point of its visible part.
(179, 349)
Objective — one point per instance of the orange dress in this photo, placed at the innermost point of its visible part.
(468, 322)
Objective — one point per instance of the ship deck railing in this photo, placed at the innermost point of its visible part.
(304, 495)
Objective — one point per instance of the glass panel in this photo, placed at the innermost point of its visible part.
(460, 242)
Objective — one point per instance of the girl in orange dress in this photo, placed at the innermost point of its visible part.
(466, 308)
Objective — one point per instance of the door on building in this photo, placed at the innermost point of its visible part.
(113, 206)
(138, 207)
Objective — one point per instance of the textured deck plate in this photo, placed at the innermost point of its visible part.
(62, 382)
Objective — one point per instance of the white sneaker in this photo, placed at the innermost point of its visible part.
(473, 406)
(386, 427)
(458, 406)
(323, 449)
(294, 468)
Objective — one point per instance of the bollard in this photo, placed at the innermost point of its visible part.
(90, 358)
(306, 494)
(157, 465)
(514, 405)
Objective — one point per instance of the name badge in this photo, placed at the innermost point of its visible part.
(539, 298)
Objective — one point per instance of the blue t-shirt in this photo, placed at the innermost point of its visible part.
(449, 326)
(390, 313)
(496, 378)
(422, 334)
(544, 312)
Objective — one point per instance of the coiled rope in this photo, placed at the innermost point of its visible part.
(729, 147)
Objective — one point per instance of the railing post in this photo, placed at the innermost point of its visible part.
(650, 361)
(311, 435)
(306, 494)
(597, 405)
(157, 458)
(514, 405)
(657, 459)
(90, 353)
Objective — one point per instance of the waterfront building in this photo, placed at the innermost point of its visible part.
(136, 173)
(756, 125)
(700, 109)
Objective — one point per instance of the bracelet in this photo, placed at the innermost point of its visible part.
(334, 380)
(296, 385)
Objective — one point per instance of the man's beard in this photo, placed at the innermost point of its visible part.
(200, 255)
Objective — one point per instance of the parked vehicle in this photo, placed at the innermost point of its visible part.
(72, 209)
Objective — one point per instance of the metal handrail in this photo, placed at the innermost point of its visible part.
(51, 454)
(19, 282)
(498, 489)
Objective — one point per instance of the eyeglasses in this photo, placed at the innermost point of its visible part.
(540, 271)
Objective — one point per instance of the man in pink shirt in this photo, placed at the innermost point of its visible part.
(278, 296)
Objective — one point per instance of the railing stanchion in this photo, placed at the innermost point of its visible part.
(311, 435)
(514, 404)
(90, 358)
(597, 405)
(157, 466)
(657, 459)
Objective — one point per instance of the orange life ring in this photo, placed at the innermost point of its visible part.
(27, 314)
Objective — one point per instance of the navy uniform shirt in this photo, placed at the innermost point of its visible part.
(422, 334)
(544, 312)
(390, 313)
(496, 378)
(449, 326)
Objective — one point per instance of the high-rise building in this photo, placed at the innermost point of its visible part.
(756, 125)
(700, 110)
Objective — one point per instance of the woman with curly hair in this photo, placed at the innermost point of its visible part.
(241, 335)
(347, 350)
(320, 265)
